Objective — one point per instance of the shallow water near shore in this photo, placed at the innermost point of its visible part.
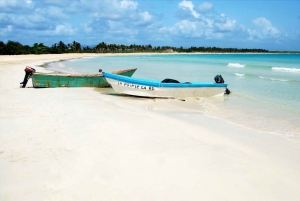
(265, 87)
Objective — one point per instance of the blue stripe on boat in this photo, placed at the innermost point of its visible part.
(156, 83)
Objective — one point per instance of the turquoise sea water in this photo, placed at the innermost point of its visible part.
(265, 87)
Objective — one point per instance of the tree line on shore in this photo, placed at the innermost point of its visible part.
(16, 48)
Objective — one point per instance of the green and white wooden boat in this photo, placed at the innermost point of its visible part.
(52, 80)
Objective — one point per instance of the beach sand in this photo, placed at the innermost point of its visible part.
(85, 144)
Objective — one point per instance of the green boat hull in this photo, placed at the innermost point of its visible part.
(49, 80)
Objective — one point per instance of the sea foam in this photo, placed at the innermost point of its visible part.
(293, 70)
(273, 79)
(74, 60)
(91, 57)
(236, 65)
(239, 74)
(81, 59)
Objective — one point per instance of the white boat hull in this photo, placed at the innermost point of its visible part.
(164, 92)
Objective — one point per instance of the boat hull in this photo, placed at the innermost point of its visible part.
(144, 88)
(50, 80)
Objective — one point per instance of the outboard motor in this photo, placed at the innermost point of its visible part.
(227, 91)
(28, 73)
(219, 79)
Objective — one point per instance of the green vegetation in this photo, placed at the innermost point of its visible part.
(15, 48)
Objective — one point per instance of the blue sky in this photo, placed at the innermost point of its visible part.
(267, 24)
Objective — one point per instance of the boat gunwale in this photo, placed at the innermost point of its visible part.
(83, 74)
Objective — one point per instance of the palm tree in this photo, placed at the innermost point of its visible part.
(2, 48)
(101, 47)
(62, 48)
(76, 47)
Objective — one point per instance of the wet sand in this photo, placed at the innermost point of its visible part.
(86, 144)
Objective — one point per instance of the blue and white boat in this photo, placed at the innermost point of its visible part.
(160, 89)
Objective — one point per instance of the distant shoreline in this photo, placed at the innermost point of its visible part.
(16, 48)
(154, 53)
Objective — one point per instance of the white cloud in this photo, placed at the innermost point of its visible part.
(64, 29)
(191, 29)
(48, 14)
(55, 12)
(8, 3)
(57, 2)
(114, 25)
(128, 4)
(87, 28)
(224, 24)
(265, 29)
(4, 32)
(144, 19)
(266, 25)
(213, 26)
(114, 9)
(146, 16)
(206, 6)
(124, 31)
(188, 6)
(29, 4)
(125, 13)
(33, 21)
(13, 6)
(209, 22)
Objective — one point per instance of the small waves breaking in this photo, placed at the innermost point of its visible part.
(235, 65)
(242, 75)
(274, 79)
(81, 59)
(239, 74)
(61, 65)
(74, 60)
(283, 69)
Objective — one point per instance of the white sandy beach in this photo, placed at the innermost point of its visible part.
(82, 144)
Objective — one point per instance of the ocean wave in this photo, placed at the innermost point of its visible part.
(87, 58)
(239, 74)
(90, 57)
(293, 70)
(274, 79)
(235, 65)
(74, 60)
(61, 65)
(81, 59)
